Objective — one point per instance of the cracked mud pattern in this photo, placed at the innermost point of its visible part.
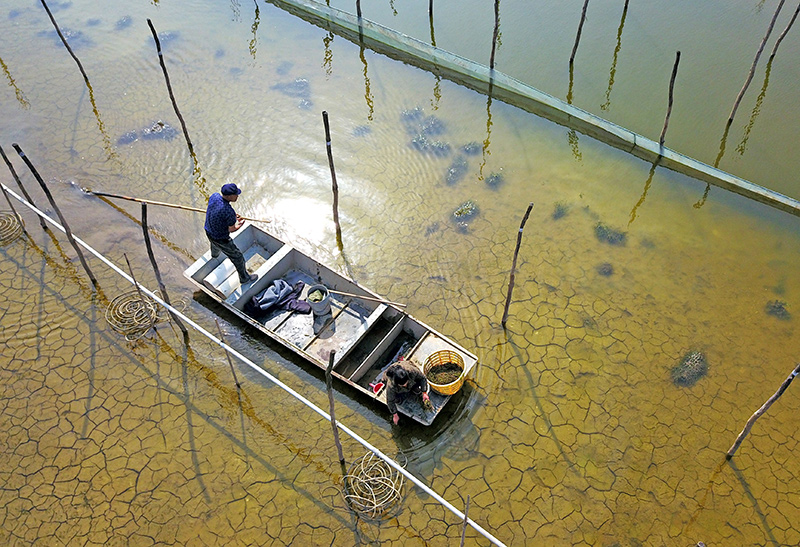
(572, 432)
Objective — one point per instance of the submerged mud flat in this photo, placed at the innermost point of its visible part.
(572, 431)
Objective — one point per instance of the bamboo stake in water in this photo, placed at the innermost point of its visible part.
(669, 105)
(172, 95)
(21, 187)
(761, 411)
(333, 179)
(161, 287)
(514, 264)
(230, 362)
(495, 33)
(329, 384)
(464, 525)
(755, 62)
(58, 212)
(578, 36)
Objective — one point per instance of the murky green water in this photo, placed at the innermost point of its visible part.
(572, 433)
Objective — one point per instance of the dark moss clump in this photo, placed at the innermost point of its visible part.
(432, 229)
(472, 148)
(426, 146)
(465, 212)
(495, 180)
(776, 308)
(457, 170)
(609, 235)
(300, 88)
(691, 368)
(158, 130)
(124, 22)
(605, 269)
(75, 38)
(560, 210)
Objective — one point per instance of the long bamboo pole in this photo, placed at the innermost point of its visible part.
(514, 264)
(761, 411)
(163, 204)
(370, 298)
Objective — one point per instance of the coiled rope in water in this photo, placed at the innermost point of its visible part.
(372, 487)
(10, 227)
(133, 313)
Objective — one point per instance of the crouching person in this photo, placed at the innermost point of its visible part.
(402, 379)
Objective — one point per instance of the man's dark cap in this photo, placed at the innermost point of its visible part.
(230, 189)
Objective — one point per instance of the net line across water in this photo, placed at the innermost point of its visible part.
(478, 528)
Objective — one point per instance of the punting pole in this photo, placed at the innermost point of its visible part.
(353, 435)
(164, 204)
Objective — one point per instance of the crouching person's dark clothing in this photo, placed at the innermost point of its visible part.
(396, 392)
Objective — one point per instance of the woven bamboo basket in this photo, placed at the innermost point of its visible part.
(440, 358)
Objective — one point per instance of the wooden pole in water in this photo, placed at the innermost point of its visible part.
(329, 384)
(161, 287)
(21, 187)
(163, 204)
(333, 178)
(495, 32)
(64, 41)
(514, 264)
(464, 525)
(761, 411)
(358, 8)
(171, 94)
(755, 62)
(370, 298)
(58, 212)
(669, 104)
(230, 362)
(430, 9)
(578, 36)
(783, 34)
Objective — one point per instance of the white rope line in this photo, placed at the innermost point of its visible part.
(478, 528)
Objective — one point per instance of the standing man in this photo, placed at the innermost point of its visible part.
(221, 221)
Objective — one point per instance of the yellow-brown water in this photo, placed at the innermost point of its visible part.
(572, 431)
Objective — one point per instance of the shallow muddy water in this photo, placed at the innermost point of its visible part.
(572, 431)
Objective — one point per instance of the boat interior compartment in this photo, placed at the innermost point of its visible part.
(218, 274)
(399, 342)
(350, 319)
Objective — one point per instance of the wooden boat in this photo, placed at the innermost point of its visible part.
(367, 335)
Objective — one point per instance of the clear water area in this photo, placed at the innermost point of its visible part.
(572, 431)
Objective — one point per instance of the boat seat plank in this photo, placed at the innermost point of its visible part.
(247, 291)
(345, 332)
(224, 280)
